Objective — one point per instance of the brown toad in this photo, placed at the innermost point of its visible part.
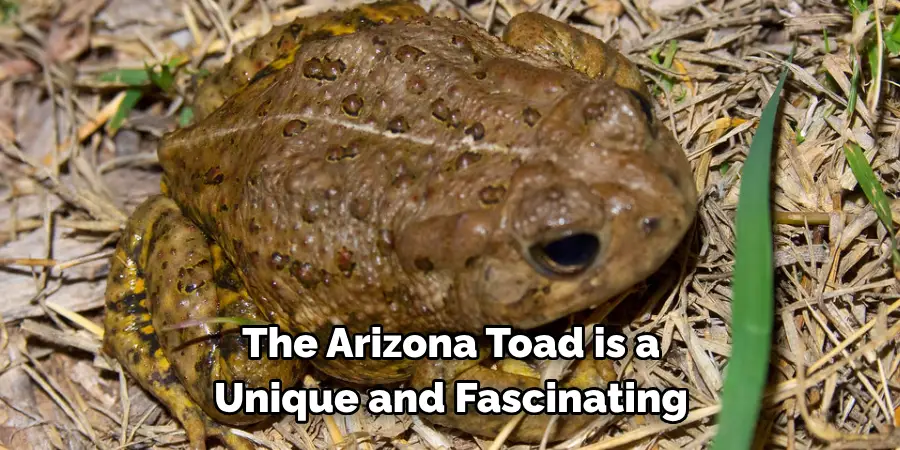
(380, 166)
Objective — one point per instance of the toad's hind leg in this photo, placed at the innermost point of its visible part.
(164, 273)
(587, 373)
(572, 47)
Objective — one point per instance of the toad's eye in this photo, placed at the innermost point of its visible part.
(565, 256)
(646, 107)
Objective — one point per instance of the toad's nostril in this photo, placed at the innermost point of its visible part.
(567, 255)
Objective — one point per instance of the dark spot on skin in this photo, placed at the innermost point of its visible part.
(334, 154)
(279, 261)
(339, 153)
(262, 73)
(293, 128)
(385, 241)
(398, 125)
(491, 195)
(344, 261)
(378, 41)
(352, 104)
(460, 42)
(223, 207)
(333, 68)
(466, 159)
(313, 68)
(424, 264)
(359, 208)
(363, 22)
(455, 120)
(226, 278)
(470, 261)
(476, 130)
(214, 176)
(415, 84)
(263, 109)
(351, 150)
(439, 110)
(165, 265)
(311, 210)
(306, 274)
(295, 29)
(254, 227)
(593, 111)
(531, 116)
(480, 75)
(408, 53)
(649, 224)
(131, 304)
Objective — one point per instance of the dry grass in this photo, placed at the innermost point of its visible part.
(68, 184)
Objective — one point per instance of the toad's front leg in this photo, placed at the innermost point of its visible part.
(587, 373)
(164, 272)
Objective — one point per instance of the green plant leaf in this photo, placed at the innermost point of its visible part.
(185, 116)
(852, 95)
(164, 78)
(858, 6)
(753, 289)
(872, 56)
(892, 37)
(132, 95)
(8, 9)
(130, 77)
(865, 176)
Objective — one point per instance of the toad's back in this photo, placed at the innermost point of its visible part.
(404, 174)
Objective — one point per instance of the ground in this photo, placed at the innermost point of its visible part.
(72, 169)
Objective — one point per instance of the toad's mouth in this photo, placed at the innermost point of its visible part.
(565, 256)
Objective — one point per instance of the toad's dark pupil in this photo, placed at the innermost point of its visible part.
(567, 255)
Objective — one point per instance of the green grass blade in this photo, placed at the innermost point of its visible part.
(190, 323)
(753, 287)
(185, 116)
(865, 176)
(854, 82)
(8, 9)
(131, 98)
(130, 77)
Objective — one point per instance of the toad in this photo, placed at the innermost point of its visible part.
(382, 166)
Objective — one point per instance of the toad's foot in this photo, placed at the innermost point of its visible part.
(165, 273)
